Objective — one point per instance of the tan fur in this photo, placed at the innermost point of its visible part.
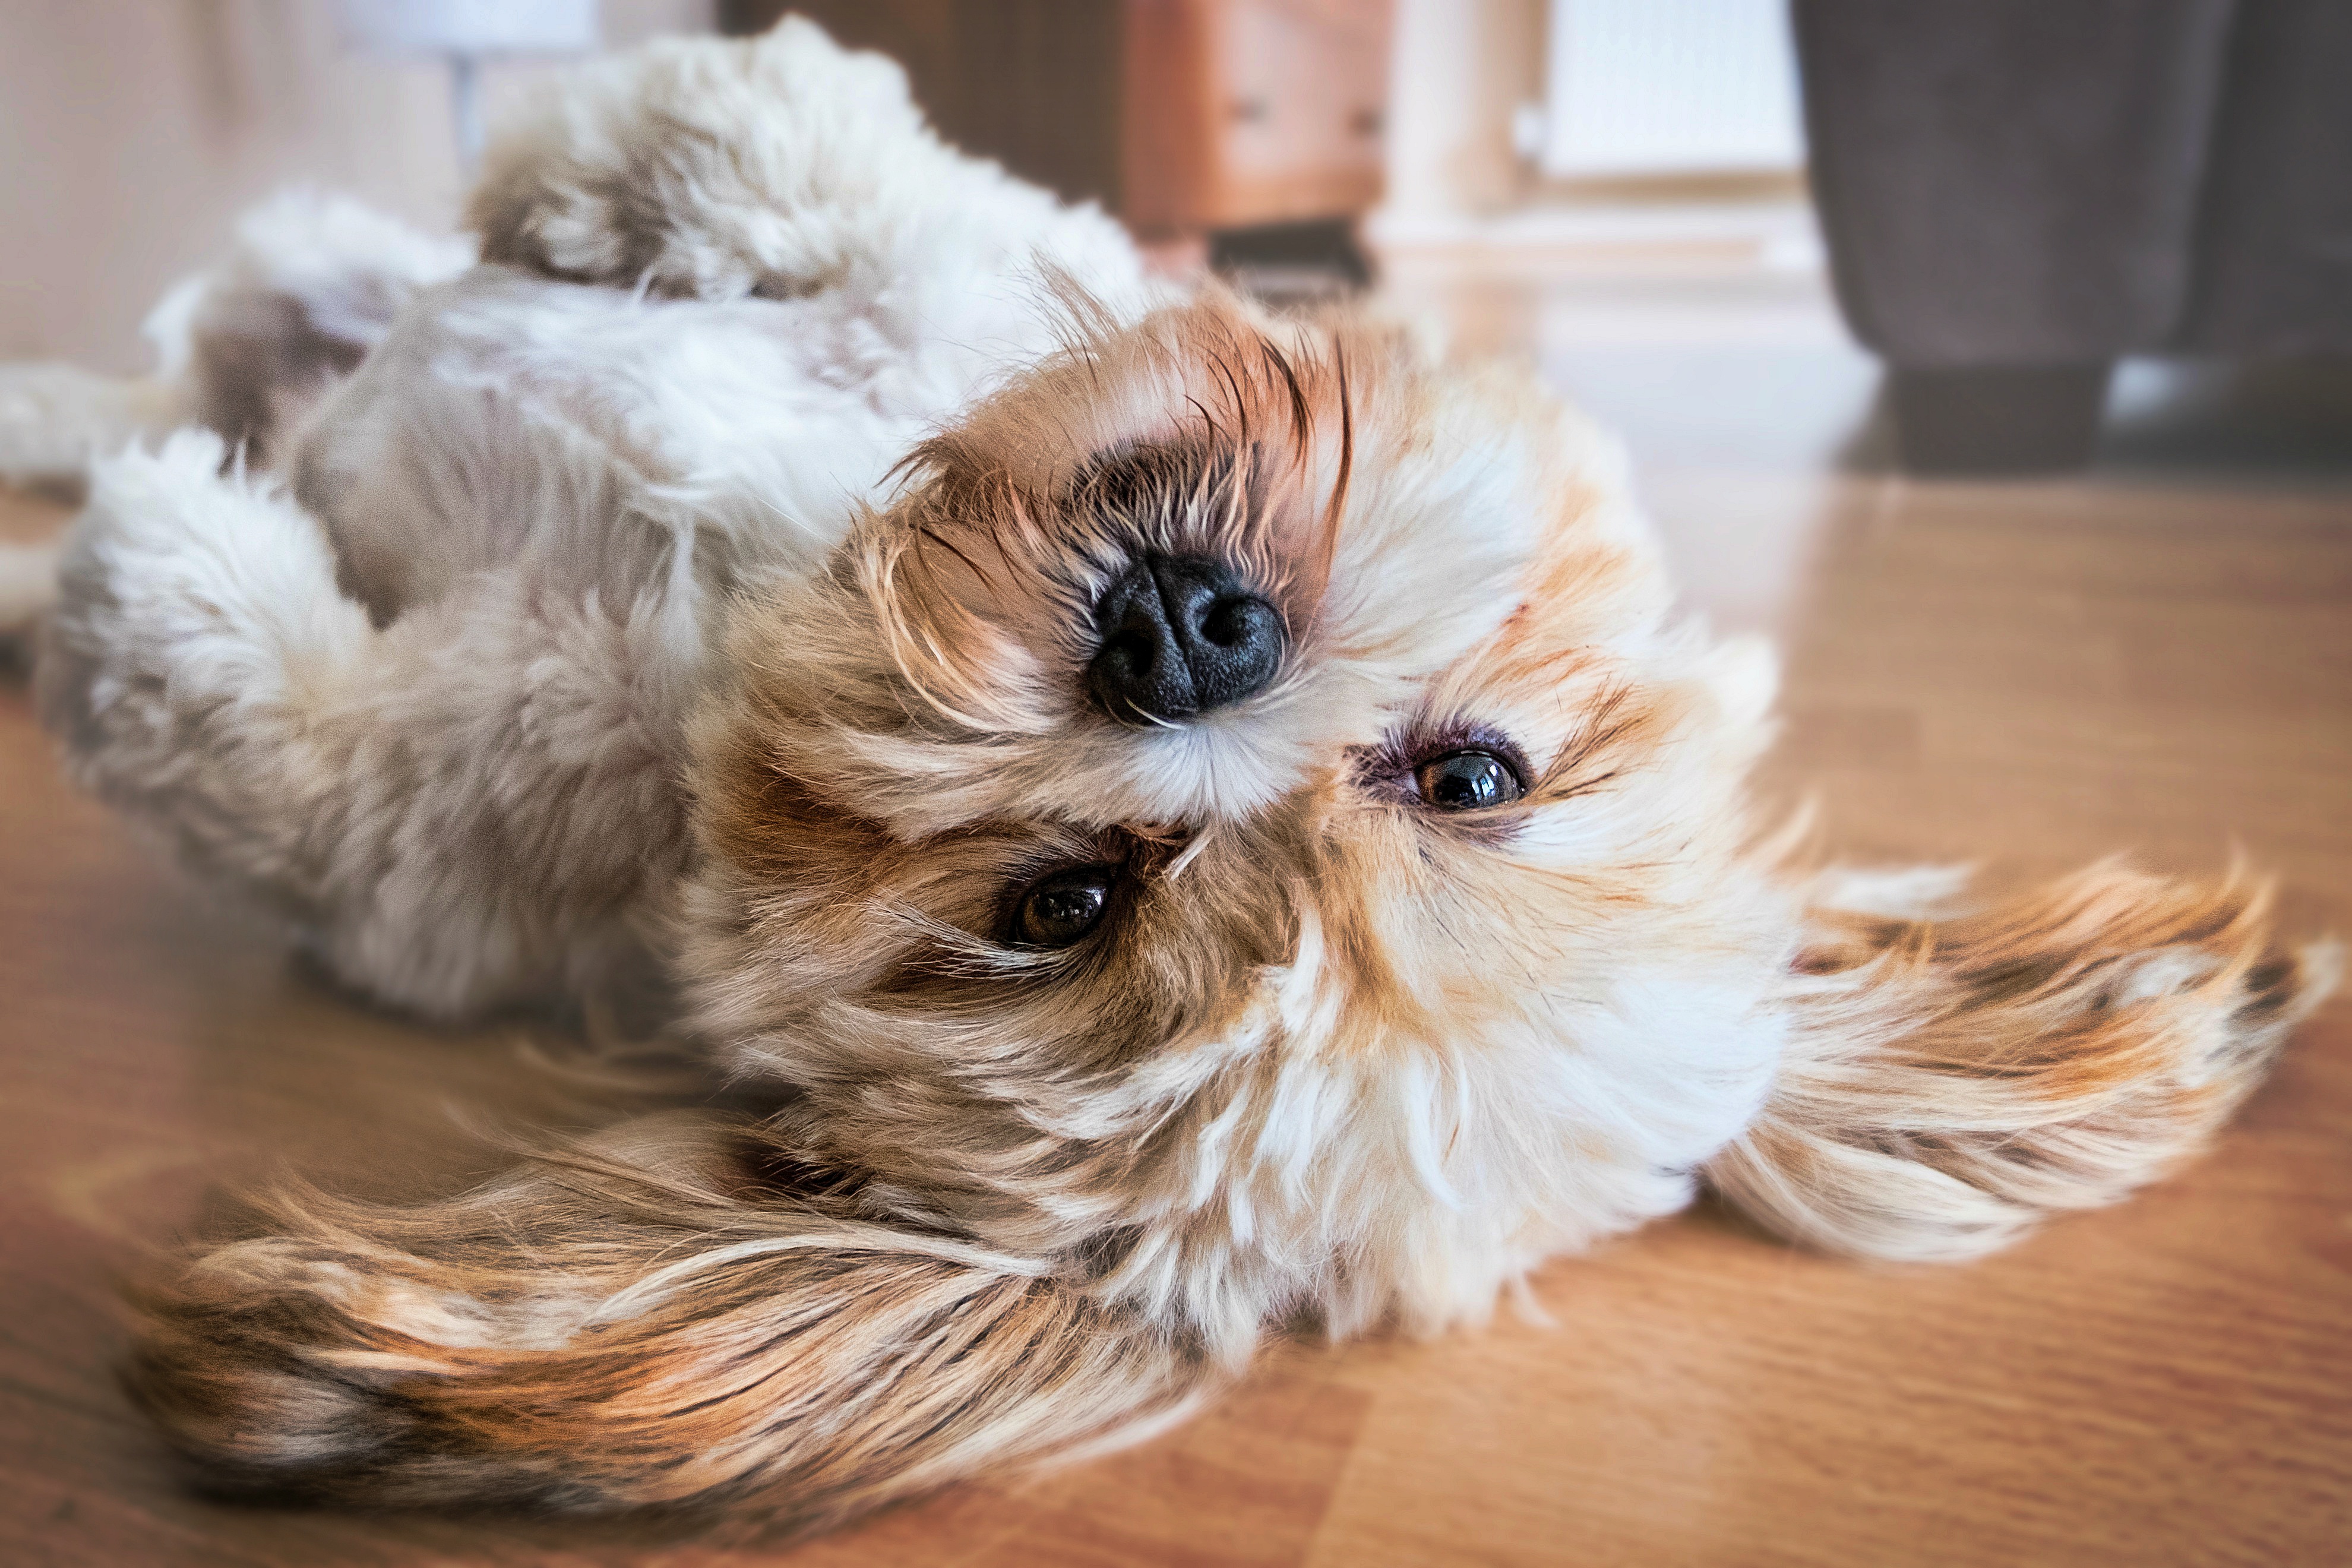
(1950, 1083)
(1336, 1054)
(1019, 1201)
(646, 1318)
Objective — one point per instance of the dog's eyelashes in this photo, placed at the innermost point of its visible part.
(1456, 767)
(1468, 781)
(1063, 908)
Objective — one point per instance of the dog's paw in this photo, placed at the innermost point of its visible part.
(700, 169)
(781, 167)
(196, 612)
(57, 419)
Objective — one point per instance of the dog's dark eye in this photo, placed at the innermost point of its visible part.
(1468, 781)
(1065, 906)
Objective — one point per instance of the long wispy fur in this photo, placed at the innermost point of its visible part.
(667, 1314)
(1953, 1080)
(705, 591)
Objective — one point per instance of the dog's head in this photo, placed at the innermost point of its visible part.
(1246, 795)
(1245, 822)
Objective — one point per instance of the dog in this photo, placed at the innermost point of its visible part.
(1194, 821)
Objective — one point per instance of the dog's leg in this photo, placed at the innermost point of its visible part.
(1949, 1083)
(55, 418)
(308, 286)
(470, 805)
(312, 284)
(640, 1321)
(784, 167)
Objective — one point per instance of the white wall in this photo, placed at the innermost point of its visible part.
(1651, 88)
(132, 131)
(1462, 69)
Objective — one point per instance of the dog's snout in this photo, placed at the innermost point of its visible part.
(1181, 635)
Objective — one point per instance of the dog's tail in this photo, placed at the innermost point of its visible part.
(1950, 1082)
(646, 1319)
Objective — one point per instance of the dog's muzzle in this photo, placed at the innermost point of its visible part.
(1181, 635)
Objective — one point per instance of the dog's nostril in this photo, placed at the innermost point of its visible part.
(1181, 635)
(1132, 651)
(1238, 621)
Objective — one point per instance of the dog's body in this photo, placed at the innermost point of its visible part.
(1225, 829)
(456, 632)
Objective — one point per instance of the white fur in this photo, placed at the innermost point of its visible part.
(427, 668)
(312, 282)
(786, 167)
(55, 418)
(457, 783)
(542, 495)
(209, 678)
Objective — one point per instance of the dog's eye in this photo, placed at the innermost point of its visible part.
(1468, 781)
(1065, 906)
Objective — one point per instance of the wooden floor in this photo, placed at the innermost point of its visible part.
(2157, 657)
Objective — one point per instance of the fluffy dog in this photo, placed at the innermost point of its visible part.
(1196, 820)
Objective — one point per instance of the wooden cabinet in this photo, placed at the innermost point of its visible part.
(1182, 116)
(1243, 112)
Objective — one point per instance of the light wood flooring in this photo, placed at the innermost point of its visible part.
(2156, 657)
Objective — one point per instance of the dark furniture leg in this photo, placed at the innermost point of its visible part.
(1293, 260)
(1997, 419)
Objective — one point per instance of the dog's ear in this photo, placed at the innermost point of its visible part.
(1949, 1082)
(645, 1321)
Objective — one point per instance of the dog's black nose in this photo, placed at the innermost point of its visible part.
(1181, 635)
